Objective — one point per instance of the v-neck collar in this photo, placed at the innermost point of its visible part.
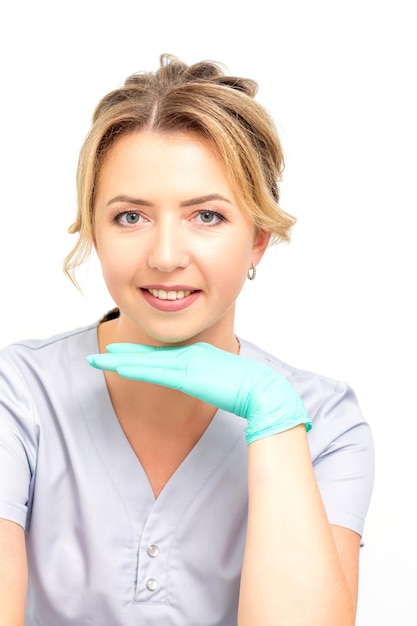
(117, 457)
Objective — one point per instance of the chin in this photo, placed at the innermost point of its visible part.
(176, 341)
(180, 339)
(178, 333)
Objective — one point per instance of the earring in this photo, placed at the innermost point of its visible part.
(252, 272)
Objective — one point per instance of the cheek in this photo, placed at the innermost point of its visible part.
(116, 262)
(231, 272)
(233, 251)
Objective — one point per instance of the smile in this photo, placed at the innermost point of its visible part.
(168, 295)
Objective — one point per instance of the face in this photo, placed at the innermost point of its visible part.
(173, 244)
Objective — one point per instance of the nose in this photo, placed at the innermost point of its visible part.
(168, 247)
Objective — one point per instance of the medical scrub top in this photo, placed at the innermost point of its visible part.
(102, 551)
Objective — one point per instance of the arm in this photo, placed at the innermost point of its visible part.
(348, 547)
(13, 574)
(292, 572)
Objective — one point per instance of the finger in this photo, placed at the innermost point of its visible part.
(137, 348)
(113, 361)
(157, 375)
(154, 359)
(129, 347)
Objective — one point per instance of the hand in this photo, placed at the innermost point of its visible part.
(236, 384)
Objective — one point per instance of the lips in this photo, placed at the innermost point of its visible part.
(170, 298)
(171, 294)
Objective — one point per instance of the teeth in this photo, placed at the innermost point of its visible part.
(168, 295)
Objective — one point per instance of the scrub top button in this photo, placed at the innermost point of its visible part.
(153, 551)
(152, 584)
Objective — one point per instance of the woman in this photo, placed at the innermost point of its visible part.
(145, 497)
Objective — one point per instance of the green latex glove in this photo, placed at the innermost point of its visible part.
(227, 381)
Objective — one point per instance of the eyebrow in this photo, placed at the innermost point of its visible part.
(202, 199)
(192, 202)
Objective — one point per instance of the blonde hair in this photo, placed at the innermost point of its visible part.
(201, 98)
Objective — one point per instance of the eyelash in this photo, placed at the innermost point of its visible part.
(120, 214)
(219, 216)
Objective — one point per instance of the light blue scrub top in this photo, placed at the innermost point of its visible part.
(101, 550)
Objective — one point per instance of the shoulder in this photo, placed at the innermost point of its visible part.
(37, 350)
(37, 375)
(303, 380)
(331, 404)
(340, 441)
(36, 396)
(32, 368)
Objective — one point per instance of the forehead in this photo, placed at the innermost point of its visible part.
(162, 169)
(146, 154)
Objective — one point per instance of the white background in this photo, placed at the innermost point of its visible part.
(340, 79)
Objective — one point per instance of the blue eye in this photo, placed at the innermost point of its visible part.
(132, 218)
(128, 218)
(210, 217)
(207, 217)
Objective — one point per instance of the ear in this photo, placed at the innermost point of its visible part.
(260, 244)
